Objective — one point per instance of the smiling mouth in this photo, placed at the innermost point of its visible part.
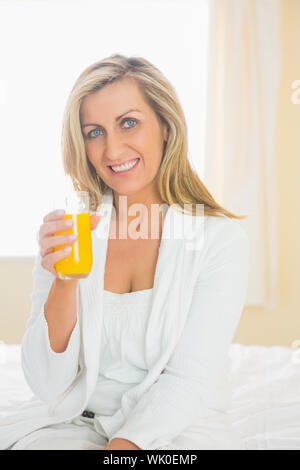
(124, 167)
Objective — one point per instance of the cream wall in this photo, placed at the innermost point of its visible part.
(16, 281)
(282, 325)
(257, 326)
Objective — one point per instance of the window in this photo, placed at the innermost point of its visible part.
(46, 46)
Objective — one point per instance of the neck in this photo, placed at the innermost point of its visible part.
(148, 202)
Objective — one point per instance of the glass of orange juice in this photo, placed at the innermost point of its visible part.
(79, 263)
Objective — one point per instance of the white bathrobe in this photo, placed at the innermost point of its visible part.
(199, 292)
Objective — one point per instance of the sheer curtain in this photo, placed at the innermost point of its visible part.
(243, 81)
(46, 45)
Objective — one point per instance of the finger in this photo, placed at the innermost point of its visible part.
(55, 226)
(51, 259)
(48, 243)
(95, 219)
(54, 215)
(49, 221)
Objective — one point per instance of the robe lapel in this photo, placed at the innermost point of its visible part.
(169, 302)
(166, 313)
(176, 273)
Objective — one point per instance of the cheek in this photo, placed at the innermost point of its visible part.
(150, 147)
(92, 152)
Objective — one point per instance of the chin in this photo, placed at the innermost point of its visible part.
(127, 191)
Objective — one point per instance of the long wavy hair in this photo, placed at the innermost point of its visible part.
(177, 181)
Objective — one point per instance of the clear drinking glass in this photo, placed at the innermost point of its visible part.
(79, 263)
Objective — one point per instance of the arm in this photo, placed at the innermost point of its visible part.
(50, 359)
(191, 386)
(60, 313)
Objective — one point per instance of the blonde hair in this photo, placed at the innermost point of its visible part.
(177, 181)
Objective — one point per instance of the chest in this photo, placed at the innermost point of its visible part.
(130, 264)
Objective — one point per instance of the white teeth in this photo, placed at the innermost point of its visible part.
(124, 167)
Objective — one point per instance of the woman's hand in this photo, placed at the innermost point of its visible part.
(52, 223)
(121, 444)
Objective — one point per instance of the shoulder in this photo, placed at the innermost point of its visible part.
(224, 227)
(222, 232)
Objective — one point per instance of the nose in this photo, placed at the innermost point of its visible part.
(115, 150)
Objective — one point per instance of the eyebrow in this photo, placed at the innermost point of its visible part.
(117, 118)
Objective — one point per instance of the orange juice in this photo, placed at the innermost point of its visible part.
(79, 263)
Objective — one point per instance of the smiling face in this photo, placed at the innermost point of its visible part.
(119, 126)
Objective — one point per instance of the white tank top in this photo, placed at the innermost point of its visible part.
(122, 354)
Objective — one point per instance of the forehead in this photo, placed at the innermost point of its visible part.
(112, 100)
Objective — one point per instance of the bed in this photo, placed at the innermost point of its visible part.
(266, 393)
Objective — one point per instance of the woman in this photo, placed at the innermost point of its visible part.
(136, 355)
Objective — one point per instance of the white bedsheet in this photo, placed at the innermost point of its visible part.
(265, 408)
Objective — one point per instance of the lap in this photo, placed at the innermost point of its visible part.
(81, 434)
(74, 435)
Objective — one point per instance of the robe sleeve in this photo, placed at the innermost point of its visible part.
(193, 385)
(47, 372)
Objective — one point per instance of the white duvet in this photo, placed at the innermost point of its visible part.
(265, 407)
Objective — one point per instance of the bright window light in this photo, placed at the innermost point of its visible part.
(45, 46)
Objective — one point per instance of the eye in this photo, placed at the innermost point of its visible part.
(93, 136)
(129, 119)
